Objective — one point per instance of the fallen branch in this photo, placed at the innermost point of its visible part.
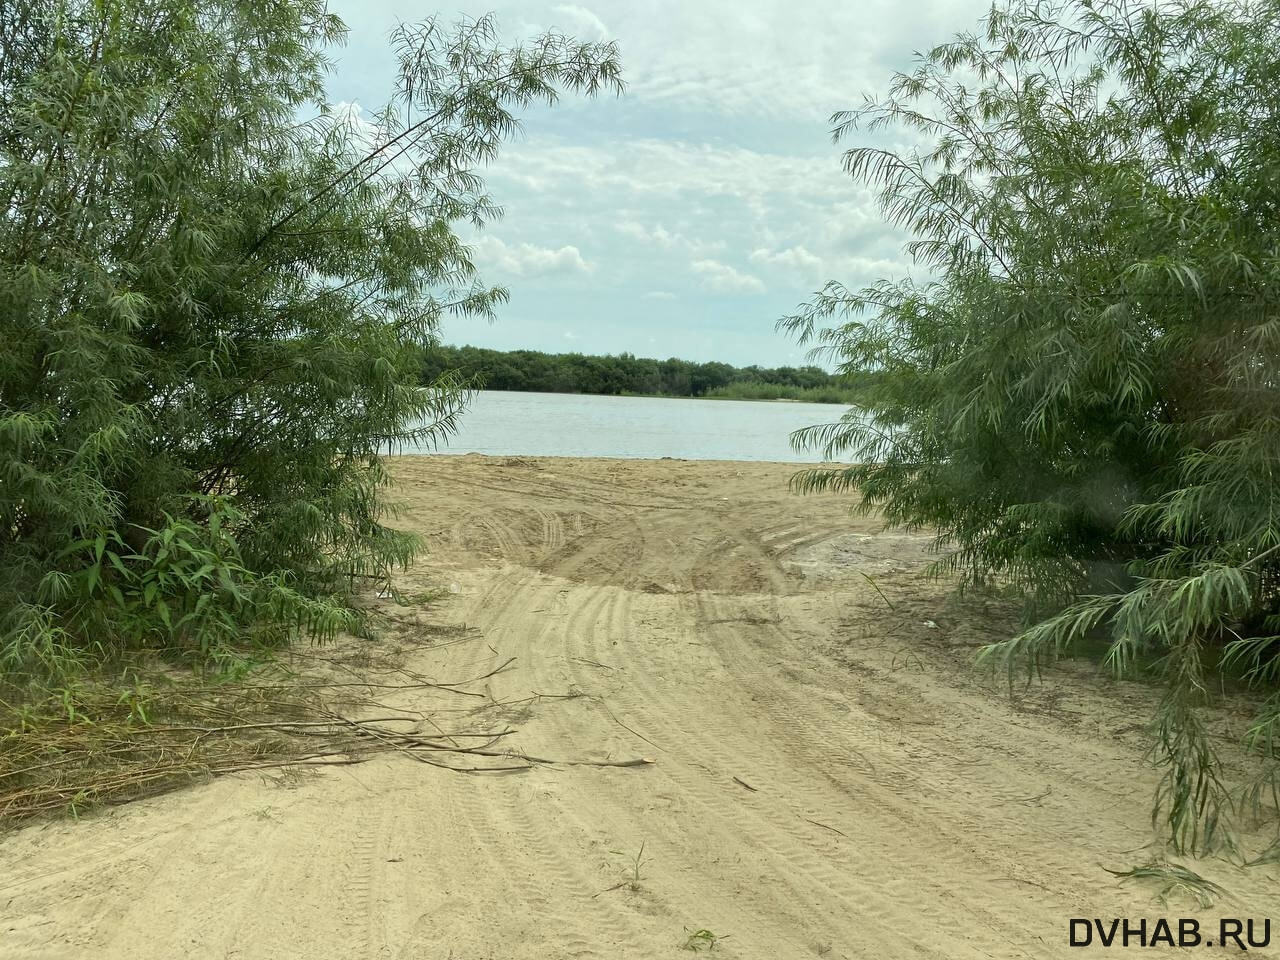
(825, 827)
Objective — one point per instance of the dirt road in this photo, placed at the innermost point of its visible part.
(829, 778)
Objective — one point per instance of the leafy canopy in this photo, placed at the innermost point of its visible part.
(533, 370)
(1082, 393)
(215, 291)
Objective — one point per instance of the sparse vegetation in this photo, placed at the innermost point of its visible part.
(1173, 879)
(107, 741)
(696, 940)
(634, 875)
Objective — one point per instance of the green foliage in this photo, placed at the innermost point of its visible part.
(213, 310)
(532, 370)
(1081, 394)
(696, 940)
(187, 589)
(1174, 880)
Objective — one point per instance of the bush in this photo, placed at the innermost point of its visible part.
(213, 311)
(1083, 396)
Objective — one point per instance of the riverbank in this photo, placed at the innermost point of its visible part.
(727, 396)
(767, 730)
(825, 398)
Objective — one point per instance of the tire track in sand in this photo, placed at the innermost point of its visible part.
(704, 751)
(793, 851)
(549, 863)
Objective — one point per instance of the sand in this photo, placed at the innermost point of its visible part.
(830, 777)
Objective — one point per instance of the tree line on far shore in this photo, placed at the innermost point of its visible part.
(625, 373)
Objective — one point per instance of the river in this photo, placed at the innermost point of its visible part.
(578, 425)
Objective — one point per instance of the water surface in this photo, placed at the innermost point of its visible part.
(577, 425)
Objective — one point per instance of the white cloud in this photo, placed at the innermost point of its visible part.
(664, 239)
(583, 17)
(776, 58)
(767, 60)
(658, 235)
(795, 258)
(527, 259)
(713, 173)
(799, 262)
(723, 278)
(649, 168)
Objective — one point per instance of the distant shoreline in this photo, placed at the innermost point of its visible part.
(624, 374)
(667, 396)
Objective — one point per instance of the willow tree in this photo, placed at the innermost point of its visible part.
(214, 294)
(1081, 392)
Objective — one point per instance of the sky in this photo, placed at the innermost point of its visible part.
(685, 217)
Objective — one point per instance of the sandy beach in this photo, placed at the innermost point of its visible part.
(827, 776)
